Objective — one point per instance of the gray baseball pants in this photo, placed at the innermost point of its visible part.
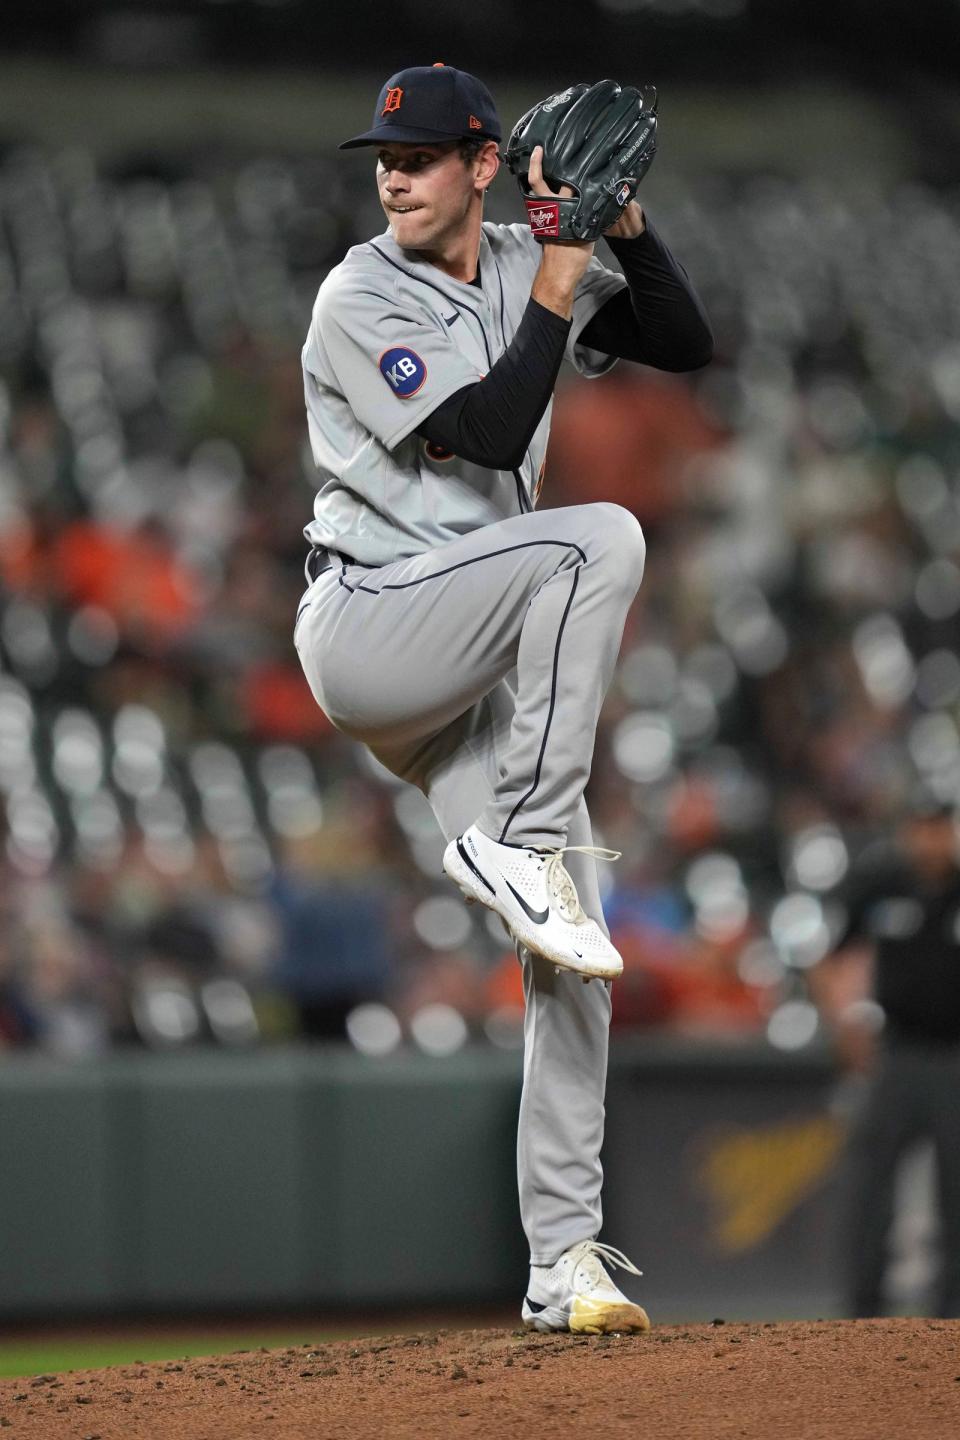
(476, 671)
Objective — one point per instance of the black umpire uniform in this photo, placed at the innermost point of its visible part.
(907, 906)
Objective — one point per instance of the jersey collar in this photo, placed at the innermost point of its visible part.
(410, 261)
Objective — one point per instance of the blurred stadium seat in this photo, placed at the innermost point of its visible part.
(190, 852)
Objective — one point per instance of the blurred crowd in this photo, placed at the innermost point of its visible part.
(189, 852)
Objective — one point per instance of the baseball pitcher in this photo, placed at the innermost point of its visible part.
(462, 635)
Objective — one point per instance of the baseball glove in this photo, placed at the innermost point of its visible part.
(600, 141)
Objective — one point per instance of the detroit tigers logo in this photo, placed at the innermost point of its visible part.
(544, 216)
(392, 102)
(403, 370)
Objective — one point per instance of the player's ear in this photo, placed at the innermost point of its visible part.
(487, 164)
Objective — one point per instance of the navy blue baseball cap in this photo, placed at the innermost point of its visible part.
(430, 104)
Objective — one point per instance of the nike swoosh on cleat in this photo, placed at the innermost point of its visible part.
(532, 1305)
(467, 861)
(539, 917)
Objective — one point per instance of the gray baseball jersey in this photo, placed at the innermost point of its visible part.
(390, 339)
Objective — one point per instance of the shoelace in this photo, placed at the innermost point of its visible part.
(595, 1251)
(559, 884)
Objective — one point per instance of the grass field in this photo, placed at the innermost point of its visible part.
(35, 1352)
(39, 1357)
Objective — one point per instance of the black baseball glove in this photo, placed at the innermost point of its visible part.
(600, 141)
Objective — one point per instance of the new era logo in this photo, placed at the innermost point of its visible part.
(544, 216)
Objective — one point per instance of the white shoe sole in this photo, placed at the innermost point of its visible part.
(520, 927)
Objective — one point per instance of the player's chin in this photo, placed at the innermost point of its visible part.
(412, 230)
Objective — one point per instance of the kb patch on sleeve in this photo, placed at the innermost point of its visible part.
(403, 371)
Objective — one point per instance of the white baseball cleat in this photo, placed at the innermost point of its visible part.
(577, 1294)
(531, 891)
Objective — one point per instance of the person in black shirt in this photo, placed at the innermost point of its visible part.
(905, 904)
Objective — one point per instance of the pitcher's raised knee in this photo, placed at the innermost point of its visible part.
(614, 534)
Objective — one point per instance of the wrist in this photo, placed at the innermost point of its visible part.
(553, 296)
(555, 284)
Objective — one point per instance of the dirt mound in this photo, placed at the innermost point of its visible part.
(839, 1380)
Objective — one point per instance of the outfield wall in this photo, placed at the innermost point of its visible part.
(315, 1178)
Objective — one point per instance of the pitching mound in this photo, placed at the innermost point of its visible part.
(838, 1380)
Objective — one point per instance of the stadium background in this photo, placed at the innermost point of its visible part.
(226, 947)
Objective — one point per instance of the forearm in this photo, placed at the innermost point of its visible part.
(659, 319)
(492, 422)
(560, 271)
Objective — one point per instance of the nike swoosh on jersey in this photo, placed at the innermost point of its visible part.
(449, 319)
(539, 917)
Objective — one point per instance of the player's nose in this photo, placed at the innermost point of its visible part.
(395, 181)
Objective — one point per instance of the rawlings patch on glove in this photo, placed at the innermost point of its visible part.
(598, 140)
